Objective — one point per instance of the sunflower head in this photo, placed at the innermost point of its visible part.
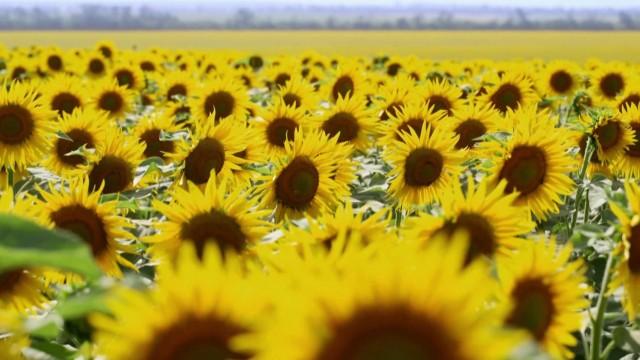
(25, 126)
(113, 168)
(197, 311)
(543, 294)
(112, 98)
(350, 120)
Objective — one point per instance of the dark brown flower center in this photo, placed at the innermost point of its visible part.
(78, 138)
(197, 338)
(632, 99)
(297, 184)
(594, 155)
(18, 73)
(506, 97)
(65, 103)
(391, 110)
(96, 66)
(439, 103)
(9, 280)
(469, 131)
(114, 171)
(343, 86)
(423, 167)
(393, 69)
(106, 51)
(634, 250)
(415, 124)
(482, 240)
(155, 146)
(176, 90)
(125, 78)
(147, 66)
(54, 62)
(561, 81)
(221, 102)
(214, 227)
(634, 149)
(111, 101)
(280, 129)
(292, 100)
(524, 170)
(85, 224)
(611, 85)
(533, 307)
(389, 333)
(256, 62)
(206, 156)
(608, 135)
(342, 123)
(281, 79)
(16, 124)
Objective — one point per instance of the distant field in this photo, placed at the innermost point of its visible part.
(432, 44)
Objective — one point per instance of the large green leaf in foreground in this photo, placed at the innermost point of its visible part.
(26, 244)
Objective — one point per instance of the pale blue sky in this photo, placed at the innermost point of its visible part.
(519, 3)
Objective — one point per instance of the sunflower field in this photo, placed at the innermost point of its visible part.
(184, 204)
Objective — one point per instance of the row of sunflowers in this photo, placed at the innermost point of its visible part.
(238, 206)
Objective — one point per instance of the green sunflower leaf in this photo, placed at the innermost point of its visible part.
(23, 243)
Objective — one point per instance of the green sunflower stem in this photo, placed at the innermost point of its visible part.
(588, 152)
(598, 325)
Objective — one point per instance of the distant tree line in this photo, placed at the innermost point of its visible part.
(97, 17)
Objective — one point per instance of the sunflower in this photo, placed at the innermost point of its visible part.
(493, 223)
(63, 94)
(279, 73)
(196, 311)
(107, 49)
(394, 96)
(13, 337)
(213, 147)
(78, 208)
(108, 96)
(83, 128)
(612, 135)
(627, 273)
(222, 96)
(113, 168)
(128, 76)
(350, 120)
(609, 81)
(298, 93)
(347, 80)
(472, 121)
(629, 163)
(535, 163)
(423, 166)
(21, 289)
(510, 92)
(177, 84)
(217, 215)
(94, 65)
(413, 116)
(54, 61)
(148, 62)
(559, 78)
(25, 126)
(376, 309)
(304, 182)
(20, 68)
(543, 293)
(630, 96)
(327, 227)
(441, 95)
(278, 123)
(150, 131)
